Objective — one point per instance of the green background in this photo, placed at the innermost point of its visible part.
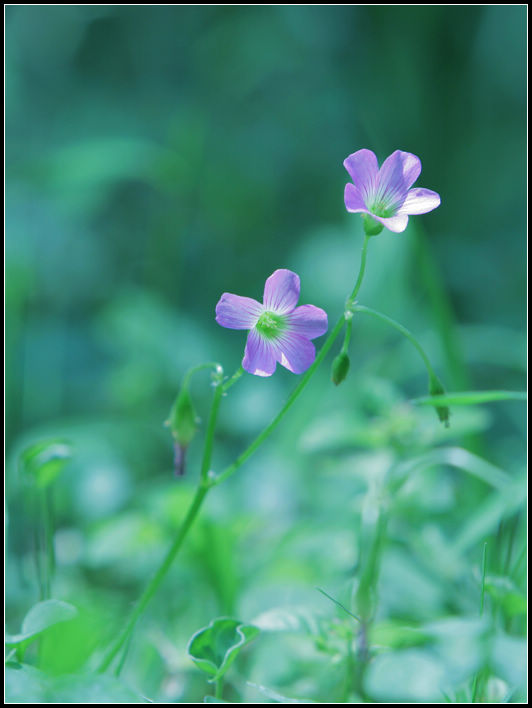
(159, 156)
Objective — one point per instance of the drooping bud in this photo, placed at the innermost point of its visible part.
(182, 422)
(436, 389)
(372, 227)
(340, 368)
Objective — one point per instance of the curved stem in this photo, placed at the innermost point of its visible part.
(234, 378)
(229, 471)
(205, 484)
(404, 331)
(149, 592)
(209, 437)
(200, 367)
(361, 272)
(201, 493)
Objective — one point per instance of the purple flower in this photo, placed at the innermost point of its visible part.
(278, 330)
(384, 194)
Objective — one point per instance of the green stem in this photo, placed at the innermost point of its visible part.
(206, 483)
(234, 378)
(209, 438)
(149, 592)
(200, 367)
(201, 493)
(404, 331)
(361, 272)
(347, 335)
(229, 471)
(48, 561)
(219, 688)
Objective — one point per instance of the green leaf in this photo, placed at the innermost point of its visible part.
(288, 619)
(470, 398)
(214, 648)
(44, 461)
(42, 616)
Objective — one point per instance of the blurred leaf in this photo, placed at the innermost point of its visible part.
(214, 648)
(277, 697)
(396, 635)
(288, 619)
(459, 458)
(470, 398)
(485, 517)
(504, 591)
(44, 461)
(411, 675)
(40, 617)
(25, 684)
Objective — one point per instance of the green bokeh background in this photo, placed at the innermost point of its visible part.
(159, 156)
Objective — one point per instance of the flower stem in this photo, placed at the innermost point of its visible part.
(229, 471)
(206, 483)
(361, 272)
(201, 493)
(404, 331)
(149, 592)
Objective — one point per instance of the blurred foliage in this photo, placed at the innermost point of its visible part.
(159, 156)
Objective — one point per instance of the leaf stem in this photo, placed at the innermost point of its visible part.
(400, 328)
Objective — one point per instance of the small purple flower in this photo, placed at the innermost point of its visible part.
(278, 330)
(384, 194)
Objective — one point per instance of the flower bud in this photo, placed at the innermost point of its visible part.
(182, 423)
(340, 368)
(436, 389)
(182, 418)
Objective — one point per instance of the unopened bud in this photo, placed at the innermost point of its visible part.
(182, 418)
(340, 368)
(436, 389)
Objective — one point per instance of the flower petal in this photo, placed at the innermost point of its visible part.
(363, 169)
(308, 321)
(396, 175)
(354, 202)
(259, 357)
(401, 165)
(281, 291)
(420, 201)
(236, 312)
(294, 352)
(397, 223)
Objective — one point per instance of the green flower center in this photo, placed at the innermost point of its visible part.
(270, 324)
(380, 208)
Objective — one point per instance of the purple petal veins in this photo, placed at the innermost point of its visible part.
(385, 193)
(294, 352)
(259, 355)
(281, 291)
(420, 201)
(236, 312)
(278, 330)
(307, 320)
(363, 169)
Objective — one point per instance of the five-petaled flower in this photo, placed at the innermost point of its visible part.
(278, 330)
(384, 194)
